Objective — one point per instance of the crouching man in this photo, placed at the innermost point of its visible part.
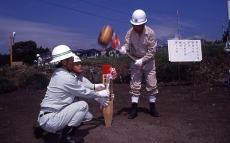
(60, 111)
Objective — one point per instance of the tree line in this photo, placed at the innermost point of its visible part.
(24, 51)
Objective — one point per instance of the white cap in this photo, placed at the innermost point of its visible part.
(61, 52)
(76, 59)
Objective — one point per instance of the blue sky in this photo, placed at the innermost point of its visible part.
(77, 22)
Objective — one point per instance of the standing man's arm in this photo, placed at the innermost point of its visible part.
(152, 44)
(125, 47)
(127, 40)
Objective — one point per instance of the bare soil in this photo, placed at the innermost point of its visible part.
(189, 114)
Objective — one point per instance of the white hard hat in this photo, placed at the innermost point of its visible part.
(37, 55)
(138, 17)
(76, 59)
(61, 52)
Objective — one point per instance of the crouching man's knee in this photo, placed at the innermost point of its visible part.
(83, 106)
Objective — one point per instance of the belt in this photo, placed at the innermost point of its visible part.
(44, 114)
(48, 109)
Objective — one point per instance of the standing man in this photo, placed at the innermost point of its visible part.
(60, 111)
(140, 42)
(39, 60)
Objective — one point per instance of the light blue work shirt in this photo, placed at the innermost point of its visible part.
(63, 88)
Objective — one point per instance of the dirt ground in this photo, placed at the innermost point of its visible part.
(189, 114)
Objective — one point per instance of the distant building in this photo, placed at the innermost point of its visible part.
(92, 53)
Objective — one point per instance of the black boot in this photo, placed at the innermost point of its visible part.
(153, 112)
(39, 132)
(133, 111)
(67, 136)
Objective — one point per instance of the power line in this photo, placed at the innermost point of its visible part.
(80, 11)
(104, 7)
(108, 8)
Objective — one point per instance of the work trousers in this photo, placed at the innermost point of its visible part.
(148, 70)
(72, 115)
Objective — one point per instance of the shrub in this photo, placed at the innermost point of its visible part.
(6, 85)
(37, 81)
(12, 78)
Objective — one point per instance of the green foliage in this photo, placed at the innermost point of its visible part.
(26, 51)
(37, 81)
(213, 67)
(120, 63)
(168, 71)
(12, 78)
(106, 60)
(213, 49)
(6, 85)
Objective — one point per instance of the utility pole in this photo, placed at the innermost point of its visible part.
(227, 46)
(228, 4)
(178, 25)
(11, 43)
(177, 34)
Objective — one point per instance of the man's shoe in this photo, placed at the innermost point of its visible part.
(153, 112)
(133, 112)
(39, 132)
(71, 139)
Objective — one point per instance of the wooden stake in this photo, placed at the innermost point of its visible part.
(108, 110)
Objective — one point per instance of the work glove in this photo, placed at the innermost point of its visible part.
(122, 50)
(103, 93)
(103, 101)
(99, 87)
(139, 62)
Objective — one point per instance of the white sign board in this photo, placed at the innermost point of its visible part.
(184, 50)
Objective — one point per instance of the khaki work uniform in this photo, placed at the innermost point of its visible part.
(142, 46)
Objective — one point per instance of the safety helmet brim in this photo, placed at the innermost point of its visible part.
(138, 23)
(63, 57)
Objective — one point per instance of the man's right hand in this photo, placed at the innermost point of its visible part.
(122, 50)
(103, 93)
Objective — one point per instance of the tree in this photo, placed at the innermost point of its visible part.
(43, 51)
(25, 51)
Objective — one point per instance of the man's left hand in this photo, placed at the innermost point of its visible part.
(139, 62)
(103, 101)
